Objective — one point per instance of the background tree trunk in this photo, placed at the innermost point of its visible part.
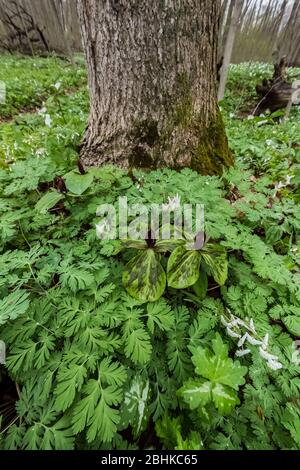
(152, 69)
(228, 48)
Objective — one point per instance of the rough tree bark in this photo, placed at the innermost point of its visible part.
(152, 69)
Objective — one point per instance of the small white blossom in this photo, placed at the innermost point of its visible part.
(242, 352)
(241, 323)
(231, 333)
(237, 323)
(253, 341)
(57, 85)
(274, 365)
(251, 326)
(289, 180)
(39, 152)
(242, 340)
(284, 184)
(265, 355)
(48, 120)
(265, 342)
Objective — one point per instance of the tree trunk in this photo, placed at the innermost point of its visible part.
(234, 22)
(152, 69)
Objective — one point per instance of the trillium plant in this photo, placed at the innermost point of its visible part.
(179, 263)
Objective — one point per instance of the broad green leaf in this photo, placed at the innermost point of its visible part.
(224, 398)
(77, 183)
(48, 201)
(193, 442)
(183, 268)
(200, 288)
(215, 260)
(292, 324)
(218, 369)
(144, 277)
(134, 409)
(196, 393)
(223, 378)
(137, 244)
(163, 246)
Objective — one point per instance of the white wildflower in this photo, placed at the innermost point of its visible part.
(48, 120)
(40, 152)
(262, 123)
(241, 323)
(265, 355)
(242, 340)
(265, 342)
(233, 323)
(251, 326)
(57, 85)
(224, 321)
(232, 334)
(242, 352)
(288, 180)
(253, 341)
(274, 365)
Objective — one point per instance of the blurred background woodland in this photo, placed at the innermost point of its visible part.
(253, 30)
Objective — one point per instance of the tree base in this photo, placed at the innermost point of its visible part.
(184, 142)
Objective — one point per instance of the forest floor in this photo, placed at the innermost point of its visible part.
(87, 365)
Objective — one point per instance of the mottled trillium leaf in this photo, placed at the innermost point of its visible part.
(77, 183)
(48, 201)
(183, 268)
(144, 277)
(137, 244)
(215, 261)
(164, 246)
(201, 286)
